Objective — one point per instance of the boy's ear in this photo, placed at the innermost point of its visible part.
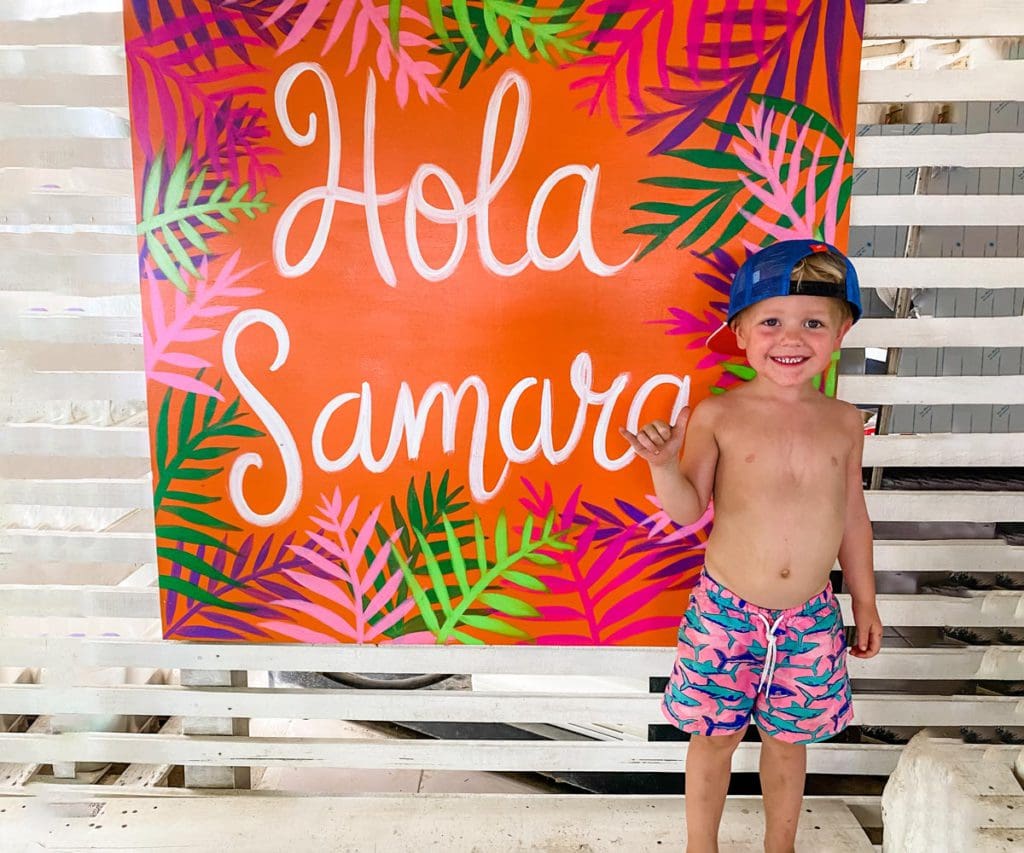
(739, 329)
(844, 327)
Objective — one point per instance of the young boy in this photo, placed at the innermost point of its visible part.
(763, 636)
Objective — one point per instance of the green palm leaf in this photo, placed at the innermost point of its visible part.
(198, 442)
(480, 588)
(163, 212)
(478, 32)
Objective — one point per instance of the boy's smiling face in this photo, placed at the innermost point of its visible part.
(790, 339)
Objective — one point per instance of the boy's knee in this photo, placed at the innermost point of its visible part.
(782, 746)
(721, 742)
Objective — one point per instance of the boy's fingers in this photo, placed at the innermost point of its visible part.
(664, 430)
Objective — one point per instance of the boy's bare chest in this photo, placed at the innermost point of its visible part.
(785, 449)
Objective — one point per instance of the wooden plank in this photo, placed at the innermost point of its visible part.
(941, 19)
(953, 210)
(979, 507)
(938, 449)
(91, 212)
(511, 823)
(928, 390)
(959, 663)
(964, 150)
(78, 546)
(493, 755)
(941, 555)
(454, 706)
(150, 775)
(998, 81)
(934, 449)
(59, 152)
(990, 332)
(870, 332)
(14, 774)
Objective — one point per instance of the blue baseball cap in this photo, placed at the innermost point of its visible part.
(768, 273)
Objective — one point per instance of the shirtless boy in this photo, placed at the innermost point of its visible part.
(762, 638)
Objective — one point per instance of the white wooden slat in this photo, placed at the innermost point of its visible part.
(427, 823)
(115, 372)
(963, 449)
(928, 390)
(78, 601)
(139, 775)
(954, 663)
(495, 755)
(986, 556)
(909, 450)
(978, 507)
(48, 60)
(77, 274)
(932, 332)
(80, 546)
(999, 81)
(887, 505)
(75, 440)
(953, 210)
(13, 773)
(59, 152)
(87, 28)
(941, 19)
(948, 555)
(456, 706)
(965, 150)
(44, 122)
(96, 259)
(993, 609)
(91, 212)
(870, 332)
(975, 150)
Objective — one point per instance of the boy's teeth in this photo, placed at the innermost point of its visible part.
(789, 359)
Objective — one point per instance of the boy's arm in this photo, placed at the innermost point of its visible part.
(856, 553)
(684, 486)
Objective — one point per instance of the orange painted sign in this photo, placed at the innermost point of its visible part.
(405, 269)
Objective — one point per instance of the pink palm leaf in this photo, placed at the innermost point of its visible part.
(175, 323)
(392, 54)
(343, 594)
(785, 180)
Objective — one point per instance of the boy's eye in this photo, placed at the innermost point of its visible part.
(771, 321)
(815, 324)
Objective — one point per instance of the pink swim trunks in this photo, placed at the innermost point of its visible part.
(736, 660)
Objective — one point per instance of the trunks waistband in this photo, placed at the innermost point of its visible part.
(725, 597)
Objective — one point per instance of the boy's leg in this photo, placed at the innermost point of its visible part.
(708, 766)
(783, 770)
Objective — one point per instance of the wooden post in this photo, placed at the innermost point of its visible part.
(216, 777)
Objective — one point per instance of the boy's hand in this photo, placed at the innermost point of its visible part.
(869, 630)
(658, 443)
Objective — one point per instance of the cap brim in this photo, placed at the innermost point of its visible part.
(723, 341)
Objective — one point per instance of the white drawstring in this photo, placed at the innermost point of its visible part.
(770, 655)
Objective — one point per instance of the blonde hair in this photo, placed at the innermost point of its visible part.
(824, 267)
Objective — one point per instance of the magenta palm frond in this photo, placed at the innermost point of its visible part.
(178, 90)
(603, 583)
(752, 40)
(345, 596)
(619, 50)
